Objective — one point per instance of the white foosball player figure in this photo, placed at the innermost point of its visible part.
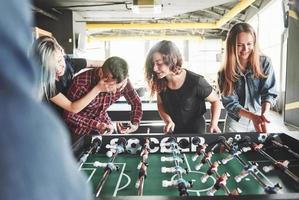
(246, 170)
(171, 159)
(177, 170)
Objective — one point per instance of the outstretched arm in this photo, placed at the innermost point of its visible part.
(215, 112)
(259, 121)
(133, 99)
(78, 105)
(169, 124)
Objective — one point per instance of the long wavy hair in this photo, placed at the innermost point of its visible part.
(43, 51)
(171, 57)
(228, 72)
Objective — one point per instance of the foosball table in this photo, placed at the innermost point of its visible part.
(210, 166)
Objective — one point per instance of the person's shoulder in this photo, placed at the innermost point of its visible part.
(196, 80)
(265, 62)
(265, 59)
(84, 76)
(193, 76)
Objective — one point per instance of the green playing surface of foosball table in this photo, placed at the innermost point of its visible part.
(122, 182)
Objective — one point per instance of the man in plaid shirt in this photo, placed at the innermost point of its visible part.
(113, 82)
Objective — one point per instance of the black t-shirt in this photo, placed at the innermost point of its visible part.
(72, 66)
(186, 105)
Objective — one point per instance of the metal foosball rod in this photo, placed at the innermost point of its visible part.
(142, 175)
(276, 163)
(283, 146)
(218, 176)
(119, 148)
(249, 168)
(143, 166)
(180, 182)
(95, 146)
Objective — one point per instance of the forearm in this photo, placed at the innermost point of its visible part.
(232, 105)
(78, 120)
(136, 114)
(266, 107)
(247, 114)
(164, 116)
(133, 99)
(81, 103)
(215, 112)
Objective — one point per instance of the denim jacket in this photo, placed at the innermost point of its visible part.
(250, 92)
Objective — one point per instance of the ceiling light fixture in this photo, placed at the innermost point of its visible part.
(146, 7)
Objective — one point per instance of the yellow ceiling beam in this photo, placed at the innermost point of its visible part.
(158, 26)
(194, 25)
(233, 12)
(158, 37)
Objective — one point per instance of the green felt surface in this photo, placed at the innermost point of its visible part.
(122, 182)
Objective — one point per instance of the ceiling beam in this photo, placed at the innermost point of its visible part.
(145, 37)
(243, 4)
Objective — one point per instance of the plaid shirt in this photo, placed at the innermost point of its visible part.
(96, 112)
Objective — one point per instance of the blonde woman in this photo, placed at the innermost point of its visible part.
(57, 72)
(246, 81)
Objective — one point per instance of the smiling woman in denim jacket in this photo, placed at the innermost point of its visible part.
(246, 81)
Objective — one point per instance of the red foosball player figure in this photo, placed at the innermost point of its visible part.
(201, 149)
(278, 165)
(142, 174)
(144, 156)
(204, 160)
(212, 169)
(144, 153)
(256, 147)
(220, 182)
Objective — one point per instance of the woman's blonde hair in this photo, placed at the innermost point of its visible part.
(228, 72)
(43, 51)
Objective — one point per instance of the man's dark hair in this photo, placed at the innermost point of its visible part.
(118, 68)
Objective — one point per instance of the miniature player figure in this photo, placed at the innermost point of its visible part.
(231, 156)
(111, 167)
(201, 149)
(142, 174)
(144, 156)
(176, 169)
(182, 187)
(181, 183)
(204, 160)
(169, 147)
(272, 189)
(212, 169)
(108, 166)
(278, 165)
(220, 182)
(246, 170)
(171, 159)
(145, 152)
(256, 147)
